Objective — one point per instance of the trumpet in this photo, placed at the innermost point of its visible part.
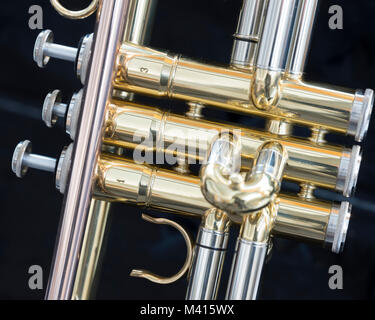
(140, 155)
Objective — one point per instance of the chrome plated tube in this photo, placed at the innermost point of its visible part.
(138, 27)
(246, 270)
(301, 37)
(110, 27)
(61, 52)
(250, 253)
(209, 254)
(38, 162)
(277, 34)
(248, 33)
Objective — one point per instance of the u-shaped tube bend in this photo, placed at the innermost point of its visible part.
(226, 188)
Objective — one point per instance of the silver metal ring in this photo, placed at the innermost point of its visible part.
(17, 161)
(47, 113)
(43, 38)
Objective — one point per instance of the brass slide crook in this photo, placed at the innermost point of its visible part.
(80, 14)
(167, 280)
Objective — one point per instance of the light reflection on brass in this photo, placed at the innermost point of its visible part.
(128, 124)
(92, 250)
(124, 181)
(189, 246)
(147, 71)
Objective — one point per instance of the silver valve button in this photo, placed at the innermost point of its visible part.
(53, 109)
(23, 159)
(45, 48)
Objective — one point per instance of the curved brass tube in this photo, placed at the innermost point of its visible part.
(81, 14)
(167, 280)
(257, 227)
(225, 188)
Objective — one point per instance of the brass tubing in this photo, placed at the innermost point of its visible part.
(124, 181)
(146, 71)
(137, 27)
(128, 124)
(78, 194)
(92, 250)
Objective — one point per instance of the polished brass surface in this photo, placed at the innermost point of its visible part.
(81, 14)
(258, 227)
(136, 31)
(147, 71)
(128, 124)
(216, 220)
(124, 181)
(189, 246)
(241, 168)
(91, 250)
(226, 188)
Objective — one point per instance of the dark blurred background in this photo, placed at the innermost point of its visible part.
(30, 208)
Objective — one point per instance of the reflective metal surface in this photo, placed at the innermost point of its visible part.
(209, 254)
(124, 181)
(151, 72)
(241, 169)
(247, 37)
(246, 270)
(110, 26)
(92, 251)
(149, 129)
(225, 188)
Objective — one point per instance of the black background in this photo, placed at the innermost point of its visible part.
(30, 209)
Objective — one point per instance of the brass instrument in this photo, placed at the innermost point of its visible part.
(139, 155)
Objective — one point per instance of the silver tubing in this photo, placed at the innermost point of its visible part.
(338, 225)
(38, 162)
(94, 245)
(277, 34)
(209, 254)
(60, 52)
(246, 270)
(23, 158)
(110, 27)
(361, 114)
(248, 33)
(347, 176)
(138, 27)
(301, 37)
(60, 109)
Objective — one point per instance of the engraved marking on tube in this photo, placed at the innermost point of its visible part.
(144, 70)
